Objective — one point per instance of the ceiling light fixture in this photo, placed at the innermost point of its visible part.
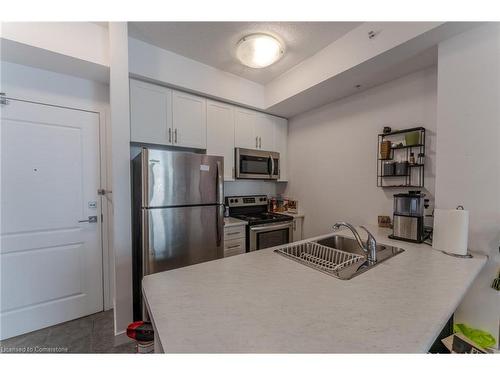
(259, 50)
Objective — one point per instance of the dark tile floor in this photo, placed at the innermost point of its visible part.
(90, 334)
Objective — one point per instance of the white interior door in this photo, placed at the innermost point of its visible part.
(51, 264)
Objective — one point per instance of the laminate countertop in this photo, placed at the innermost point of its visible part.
(262, 302)
(233, 222)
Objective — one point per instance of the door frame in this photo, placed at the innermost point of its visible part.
(104, 183)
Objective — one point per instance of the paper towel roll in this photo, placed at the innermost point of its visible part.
(451, 231)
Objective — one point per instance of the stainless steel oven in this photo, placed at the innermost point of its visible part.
(257, 164)
(268, 235)
(264, 229)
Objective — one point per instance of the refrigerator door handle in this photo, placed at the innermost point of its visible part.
(219, 222)
(219, 184)
(145, 241)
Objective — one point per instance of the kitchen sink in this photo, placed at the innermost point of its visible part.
(347, 244)
(337, 256)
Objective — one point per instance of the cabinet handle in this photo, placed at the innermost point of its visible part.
(260, 142)
(169, 135)
(232, 247)
(175, 135)
(256, 142)
(231, 233)
(294, 225)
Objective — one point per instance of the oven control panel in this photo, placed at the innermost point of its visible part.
(250, 200)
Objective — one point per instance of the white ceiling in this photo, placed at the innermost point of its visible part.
(213, 43)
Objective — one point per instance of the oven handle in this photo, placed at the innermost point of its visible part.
(267, 227)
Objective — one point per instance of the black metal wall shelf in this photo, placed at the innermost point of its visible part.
(401, 153)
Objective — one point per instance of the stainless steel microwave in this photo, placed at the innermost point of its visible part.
(257, 164)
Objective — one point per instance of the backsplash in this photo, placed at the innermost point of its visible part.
(250, 187)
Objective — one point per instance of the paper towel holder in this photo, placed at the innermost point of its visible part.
(466, 256)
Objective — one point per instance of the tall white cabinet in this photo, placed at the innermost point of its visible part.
(220, 134)
(281, 145)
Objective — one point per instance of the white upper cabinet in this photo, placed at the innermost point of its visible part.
(264, 130)
(253, 130)
(150, 113)
(189, 120)
(220, 134)
(244, 129)
(281, 145)
(159, 115)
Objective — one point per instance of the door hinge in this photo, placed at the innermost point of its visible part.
(103, 191)
(3, 99)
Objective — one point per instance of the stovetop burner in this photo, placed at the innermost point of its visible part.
(262, 218)
(253, 208)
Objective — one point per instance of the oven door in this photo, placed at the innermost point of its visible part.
(257, 164)
(269, 235)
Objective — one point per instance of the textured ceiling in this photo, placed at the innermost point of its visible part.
(213, 43)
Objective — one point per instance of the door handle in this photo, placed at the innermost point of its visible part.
(219, 184)
(175, 135)
(272, 165)
(91, 219)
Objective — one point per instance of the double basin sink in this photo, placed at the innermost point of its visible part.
(338, 256)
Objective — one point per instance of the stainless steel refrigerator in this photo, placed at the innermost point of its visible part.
(178, 213)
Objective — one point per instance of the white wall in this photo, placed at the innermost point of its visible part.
(120, 162)
(82, 40)
(161, 66)
(468, 156)
(332, 151)
(49, 87)
(343, 54)
(243, 187)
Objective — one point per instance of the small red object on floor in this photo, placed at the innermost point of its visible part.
(140, 331)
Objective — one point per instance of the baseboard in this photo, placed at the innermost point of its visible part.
(122, 338)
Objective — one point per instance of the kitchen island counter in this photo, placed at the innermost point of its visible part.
(262, 302)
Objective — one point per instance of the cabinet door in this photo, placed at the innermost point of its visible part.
(220, 134)
(281, 145)
(244, 129)
(297, 229)
(189, 120)
(150, 113)
(264, 129)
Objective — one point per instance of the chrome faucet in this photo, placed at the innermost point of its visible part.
(371, 243)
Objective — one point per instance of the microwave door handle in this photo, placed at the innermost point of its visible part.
(272, 164)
